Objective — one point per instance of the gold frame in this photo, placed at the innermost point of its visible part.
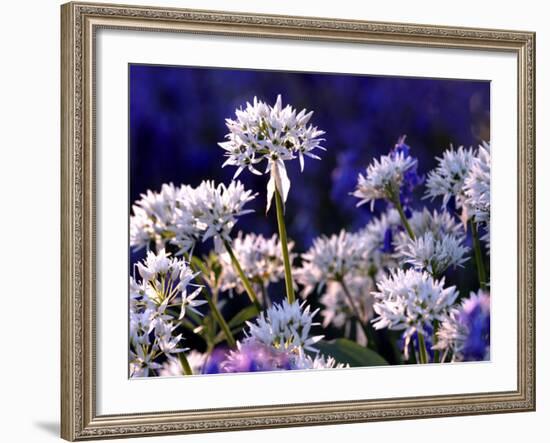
(79, 22)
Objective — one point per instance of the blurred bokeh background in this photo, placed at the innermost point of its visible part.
(177, 117)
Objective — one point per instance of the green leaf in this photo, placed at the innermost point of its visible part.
(237, 322)
(242, 316)
(347, 351)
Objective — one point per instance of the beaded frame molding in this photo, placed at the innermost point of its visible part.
(79, 23)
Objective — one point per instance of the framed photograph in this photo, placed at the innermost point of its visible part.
(282, 221)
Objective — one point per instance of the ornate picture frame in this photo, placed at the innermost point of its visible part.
(80, 22)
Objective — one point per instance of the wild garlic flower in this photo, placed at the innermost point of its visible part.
(383, 178)
(337, 310)
(477, 185)
(154, 216)
(142, 362)
(436, 222)
(410, 301)
(217, 208)
(439, 242)
(271, 134)
(432, 253)
(331, 258)
(167, 279)
(145, 352)
(260, 258)
(466, 330)
(181, 216)
(285, 326)
(448, 178)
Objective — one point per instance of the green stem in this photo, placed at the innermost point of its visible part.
(482, 276)
(397, 202)
(289, 283)
(423, 353)
(246, 282)
(185, 364)
(214, 308)
(367, 328)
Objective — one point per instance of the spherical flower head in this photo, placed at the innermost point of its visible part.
(273, 135)
(168, 279)
(217, 208)
(153, 218)
(432, 253)
(467, 328)
(331, 258)
(255, 356)
(447, 179)
(436, 222)
(285, 326)
(262, 132)
(477, 186)
(260, 258)
(411, 301)
(384, 177)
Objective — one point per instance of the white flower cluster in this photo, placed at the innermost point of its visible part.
(447, 180)
(260, 258)
(166, 282)
(154, 217)
(330, 259)
(273, 133)
(411, 301)
(184, 215)
(285, 326)
(383, 178)
(433, 253)
(438, 243)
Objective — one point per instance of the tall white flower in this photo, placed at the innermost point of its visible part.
(270, 134)
(383, 178)
(260, 258)
(447, 179)
(331, 258)
(410, 301)
(434, 253)
(217, 208)
(285, 326)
